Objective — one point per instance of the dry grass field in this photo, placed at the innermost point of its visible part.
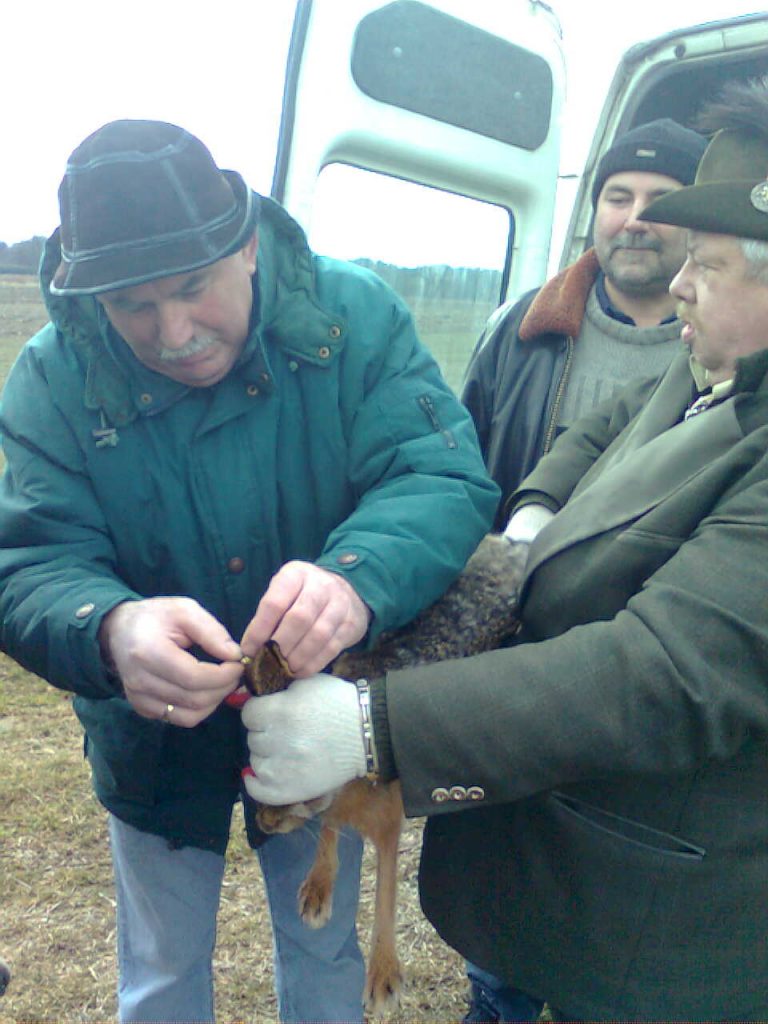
(57, 912)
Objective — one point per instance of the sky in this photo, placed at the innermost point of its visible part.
(70, 67)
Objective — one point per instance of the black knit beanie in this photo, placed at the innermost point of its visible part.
(662, 146)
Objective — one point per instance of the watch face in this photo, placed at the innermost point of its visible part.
(759, 197)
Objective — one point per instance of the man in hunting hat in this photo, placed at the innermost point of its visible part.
(219, 439)
(596, 793)
(559, 351)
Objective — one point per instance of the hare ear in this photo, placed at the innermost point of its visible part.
(267, 672)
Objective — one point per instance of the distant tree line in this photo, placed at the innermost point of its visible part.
(21, 257)
(469, 284)
(413, 283)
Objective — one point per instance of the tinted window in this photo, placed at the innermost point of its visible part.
(414, 57)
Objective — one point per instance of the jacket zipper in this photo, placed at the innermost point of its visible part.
(549, 437)
(428, 406)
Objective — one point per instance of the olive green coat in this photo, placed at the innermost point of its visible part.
(617, 862)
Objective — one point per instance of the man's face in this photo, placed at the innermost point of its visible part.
(190, 327)
(637, 257)
(724, 311)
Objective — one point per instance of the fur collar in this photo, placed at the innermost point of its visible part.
(559, 306)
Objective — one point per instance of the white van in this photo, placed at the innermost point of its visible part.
(424, 140)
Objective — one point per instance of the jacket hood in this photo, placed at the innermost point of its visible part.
(286, 309)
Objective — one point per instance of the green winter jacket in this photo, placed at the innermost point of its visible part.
(334, 439)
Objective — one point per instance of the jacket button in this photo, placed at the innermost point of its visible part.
(335, 331)
(146, 398)
(476, 793)
(439, 795)
(84, 610)
(252, 390)
(458, 793)
(236, 565)
(324, 352)
(349, 558)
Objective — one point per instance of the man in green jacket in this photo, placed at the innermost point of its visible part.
(597, 793)
(219, 438)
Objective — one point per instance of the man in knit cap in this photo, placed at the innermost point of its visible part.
(548, 358)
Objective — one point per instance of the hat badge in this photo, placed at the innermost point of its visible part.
(759, 196)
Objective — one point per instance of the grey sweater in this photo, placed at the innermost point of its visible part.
(608, 354)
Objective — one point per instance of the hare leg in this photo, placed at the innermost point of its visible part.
(316, 891)
(384, 981)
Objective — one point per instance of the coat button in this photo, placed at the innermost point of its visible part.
(236, 565)
(84, 610)
(324, 352)
(252, 390)
(458, 793)
(439, 795)
(146, 398)
(349, 558)
(335, 331)
(476, 793)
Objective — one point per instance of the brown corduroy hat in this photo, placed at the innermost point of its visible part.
(730, 193)
(144, 199)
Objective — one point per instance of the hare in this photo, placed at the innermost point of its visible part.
(477, 613)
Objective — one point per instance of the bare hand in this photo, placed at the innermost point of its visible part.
(311, 613)
(148, 642)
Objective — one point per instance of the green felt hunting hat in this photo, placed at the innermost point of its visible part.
(729, 195)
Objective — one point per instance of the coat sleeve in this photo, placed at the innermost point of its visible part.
(478, 391)
(57, 578)
(425, 499)
(677, 677)
(581, 445)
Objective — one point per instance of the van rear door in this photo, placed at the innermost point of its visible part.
(670, 76)
(423, 139)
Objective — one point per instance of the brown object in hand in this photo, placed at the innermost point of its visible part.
(477, 613)
(268, 672)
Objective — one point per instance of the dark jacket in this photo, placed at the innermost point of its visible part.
(518, 373)
(617, 863)
(334, 439)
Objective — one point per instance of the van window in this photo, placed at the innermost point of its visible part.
(415, 57)
(445, 254)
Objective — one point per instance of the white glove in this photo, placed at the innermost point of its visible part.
(527, 522)
(304, 741)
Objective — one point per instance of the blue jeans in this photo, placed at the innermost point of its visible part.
(167, 902)
(492, 1000)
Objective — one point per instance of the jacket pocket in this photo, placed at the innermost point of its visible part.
(124, 750)
(650, 539)
(415, 414)
(625, 830)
